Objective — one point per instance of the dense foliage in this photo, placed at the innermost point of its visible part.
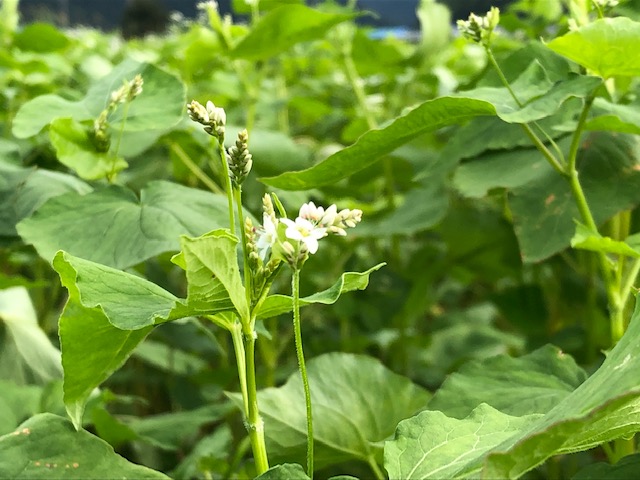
(478, 322)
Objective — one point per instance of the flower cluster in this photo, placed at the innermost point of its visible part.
(126, 93)
(239, 159)
(479, 29)
(213, 118)
(294, 240)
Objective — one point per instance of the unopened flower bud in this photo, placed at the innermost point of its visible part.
(240, 159)
(197, 112)
(135, 87)
(479, 29)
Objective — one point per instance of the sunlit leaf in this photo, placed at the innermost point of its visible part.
(586, 239)
(432, 445)
(606, 47)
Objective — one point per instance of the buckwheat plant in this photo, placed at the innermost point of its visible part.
(265, 249)
(618, 275)
(293, 241)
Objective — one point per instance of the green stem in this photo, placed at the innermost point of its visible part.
(255, 425)
(503, 79)
(194, 168)
(627, 285)
(228, 187)
(111, 176)
(295, 293)
(375, 468)
(238, 347)
(551, 158)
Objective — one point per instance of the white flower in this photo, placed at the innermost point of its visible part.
(217, 115)
(267, 235)
(318, 215)
(304, 231)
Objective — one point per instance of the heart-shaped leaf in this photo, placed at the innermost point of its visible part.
(607, 46)
(113, 227)
(108, 313)
(347, 392)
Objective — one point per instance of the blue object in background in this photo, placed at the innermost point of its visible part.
(108, 15)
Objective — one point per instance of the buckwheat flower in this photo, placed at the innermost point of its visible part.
(479, 29)
(135, 87)
(267, 235)
(197, 112)
(305, 232)
(217, 115)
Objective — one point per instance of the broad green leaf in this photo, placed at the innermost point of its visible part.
(357, 403)
(113, 227)
(158, 107)
(586, 239)
(290, 471)
(533, 86)
(47, 446)
(544, 209)
(213, 276)
(428, 117)
(577, 86)
(92, 349)
(534, 383)
(421, 208)
(614, 117)
(606, 47)
(75, 150)
(432, 445)
(31, 342)
(538, 96)
(499, 169)
(128, 302)
(603, 408)
(283, 27)
(623, 470)
(278, 304)
(108, 313)
(23, 190)
(41, 38)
